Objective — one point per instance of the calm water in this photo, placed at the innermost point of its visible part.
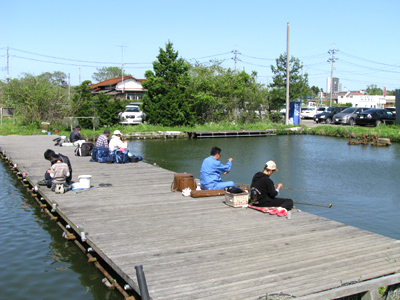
(36, 262)
(361, 183)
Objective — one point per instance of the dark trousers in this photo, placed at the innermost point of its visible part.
(278, 202)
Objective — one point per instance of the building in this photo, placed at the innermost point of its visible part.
(127, 87)
(336, 88)
(361, 99)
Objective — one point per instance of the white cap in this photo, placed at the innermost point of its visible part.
(271, 165)
(116, 132)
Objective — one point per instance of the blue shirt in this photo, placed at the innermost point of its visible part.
(210, 172)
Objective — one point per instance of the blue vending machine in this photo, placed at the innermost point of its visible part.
(294, 113)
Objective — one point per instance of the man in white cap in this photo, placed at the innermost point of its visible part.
(116, 143)
(264, 191)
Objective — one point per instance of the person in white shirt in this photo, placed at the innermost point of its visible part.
(116, 142)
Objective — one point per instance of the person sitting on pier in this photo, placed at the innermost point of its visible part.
(102, 140)
(211, 170)
(264, 192)
(75, 136)
(116, 143)
(59, 173)
(48, 155)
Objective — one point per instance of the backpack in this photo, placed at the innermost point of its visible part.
(84, 149)
(121, 156)
(183, 181)
(98, 153)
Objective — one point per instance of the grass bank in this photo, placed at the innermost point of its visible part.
(385, 131)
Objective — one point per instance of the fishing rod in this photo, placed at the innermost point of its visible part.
(313, 204)
(149, 159)
(285, 188)
(296, 202)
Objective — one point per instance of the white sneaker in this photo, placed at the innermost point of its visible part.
(59, 188)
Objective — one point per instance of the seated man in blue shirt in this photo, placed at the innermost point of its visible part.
(211, 170)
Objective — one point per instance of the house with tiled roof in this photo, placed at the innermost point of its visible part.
(126, 87)
(361, 99)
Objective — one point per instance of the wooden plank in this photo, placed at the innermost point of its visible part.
(200, 248)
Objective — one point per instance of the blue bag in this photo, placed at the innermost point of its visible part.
(121, 157)
(110, 158)
(104, 160)
(99, 152)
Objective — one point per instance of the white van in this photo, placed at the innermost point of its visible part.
(132, 114)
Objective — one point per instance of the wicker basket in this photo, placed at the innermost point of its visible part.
(237, 200)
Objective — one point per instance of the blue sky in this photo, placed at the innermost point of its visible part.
(76, 37)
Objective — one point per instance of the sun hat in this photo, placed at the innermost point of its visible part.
(271, 165)
(116, 132)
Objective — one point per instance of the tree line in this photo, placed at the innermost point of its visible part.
(178, 93)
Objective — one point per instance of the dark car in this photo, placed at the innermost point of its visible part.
(348, 115)
(375, 116)
(328, 114)
(392, 109)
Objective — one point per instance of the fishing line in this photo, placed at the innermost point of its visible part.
(150, 159)
(297, 202)
(286, 188)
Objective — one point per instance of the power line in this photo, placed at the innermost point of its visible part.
(375, 62)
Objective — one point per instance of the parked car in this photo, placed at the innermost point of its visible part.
(348, 115)
(328, 114)
(320, 109)
(132, 114)
(375, 116)
(392, 109)
(309, 113)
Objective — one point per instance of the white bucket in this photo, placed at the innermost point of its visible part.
(63, 139)
(84, 181)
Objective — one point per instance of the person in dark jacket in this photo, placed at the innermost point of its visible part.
(264, 192)
(75, 136)
(50, 155)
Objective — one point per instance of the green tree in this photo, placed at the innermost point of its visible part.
(373, 89)
(100, 105)
(166, 101)
(315, 90)
(36, 98)
(219, 93)
(107, 73)
(298, 85)
(83, 105)
(56, 78)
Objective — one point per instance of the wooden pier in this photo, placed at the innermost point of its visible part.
(200, 248)
(230, 133)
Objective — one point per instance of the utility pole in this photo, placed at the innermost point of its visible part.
(287, 76)
(332, 60)
(236, 59)
(79, 76)
(122, 67)
(8, 66)
(69, 86)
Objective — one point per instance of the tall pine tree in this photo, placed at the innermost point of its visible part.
(166, 101)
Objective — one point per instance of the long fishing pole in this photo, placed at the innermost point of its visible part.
(285, 188)
(296, 202)
(149, 159)
(312, 204)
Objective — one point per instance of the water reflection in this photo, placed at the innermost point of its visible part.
(36, 261)
(360, 181)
